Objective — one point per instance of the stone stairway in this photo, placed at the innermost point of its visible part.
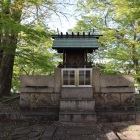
(77, 104)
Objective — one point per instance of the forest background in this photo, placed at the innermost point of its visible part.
(26, 27)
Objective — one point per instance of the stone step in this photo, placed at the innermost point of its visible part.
(76, 104)
(76, 92)
(77, 116)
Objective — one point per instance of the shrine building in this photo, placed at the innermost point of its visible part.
(78, 92)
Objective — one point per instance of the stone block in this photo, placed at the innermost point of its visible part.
(96, 79)
(77, 92)
(112, 99)
(127, 99)
(77, 116)
(55, 98)
(40, 100)
(25, 99)
(57, 90)
(42, 81)
(86, 105)
(90, 118)
(44, 100)
(64, 117)
(67, 105)
(117, 81)
(57, 80)
(99, 100)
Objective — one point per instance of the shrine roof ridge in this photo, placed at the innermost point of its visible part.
(76, 35)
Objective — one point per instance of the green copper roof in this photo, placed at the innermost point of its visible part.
(78, 43)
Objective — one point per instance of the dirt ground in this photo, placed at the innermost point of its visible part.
(55, 131)
(123, 130)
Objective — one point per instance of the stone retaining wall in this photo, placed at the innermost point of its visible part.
(110, 92)
(116, 93)
(40, 91)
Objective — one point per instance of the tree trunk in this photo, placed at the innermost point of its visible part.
(1, 52)
(135, 59)
(9, 43)
(7, 67)
(1, 56)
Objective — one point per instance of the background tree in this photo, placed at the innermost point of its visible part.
(19, 20)
(9, 18)
(33, 57)
(119, 22)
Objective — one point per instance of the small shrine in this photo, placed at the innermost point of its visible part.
(78, 92)
(77, 102)
(75, 49)
(75, 68)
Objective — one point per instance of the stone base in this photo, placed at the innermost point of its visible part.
(114, 101)
(116, 116)
(77, 104)
(77, 117)
(76, 93)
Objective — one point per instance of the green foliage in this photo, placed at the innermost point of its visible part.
(23, 28)
(119, 22)
(34, 55)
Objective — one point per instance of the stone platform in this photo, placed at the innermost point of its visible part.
(112, 95)
(77, 105)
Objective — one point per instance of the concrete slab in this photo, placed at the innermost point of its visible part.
(121, 136)
(57, 80)
(77, 116)
(78, 92)
(96, 79)
(71, 104)
(110, 134)
(49, 131)
(41, 80)
(117, 81)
